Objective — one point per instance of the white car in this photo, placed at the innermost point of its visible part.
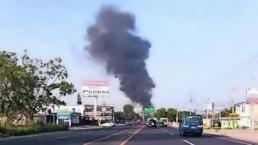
(108, 124)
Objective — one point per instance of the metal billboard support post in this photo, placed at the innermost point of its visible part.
(252, 116)
(95, 106)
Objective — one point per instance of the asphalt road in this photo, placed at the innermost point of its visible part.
(120, 135)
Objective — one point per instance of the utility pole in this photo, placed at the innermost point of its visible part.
(191, 102)
(232, 96)
(252, 107)
(177, 115)
(206, 108)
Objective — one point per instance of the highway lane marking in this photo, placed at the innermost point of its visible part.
(130, 137)
(60, 138)
(114, 134)
(173, 130)
(168, 132)
(231, 140)
(188, 142)
(87, 132)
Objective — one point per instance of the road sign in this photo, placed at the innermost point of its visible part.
(93, 88)
(149, 109)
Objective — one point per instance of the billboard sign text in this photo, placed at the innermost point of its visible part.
(93, 88)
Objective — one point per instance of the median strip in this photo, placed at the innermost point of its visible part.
(130, 137)
(114, 134)
(188, 142)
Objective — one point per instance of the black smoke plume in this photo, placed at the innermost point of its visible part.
(112, 40)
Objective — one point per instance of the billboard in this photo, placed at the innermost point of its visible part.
(251, 100)
(63, 113)
(95, 88)
(252, 92)
(252, 96)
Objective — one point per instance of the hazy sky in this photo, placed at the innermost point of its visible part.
(199, 48)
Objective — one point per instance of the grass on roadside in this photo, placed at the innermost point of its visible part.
(9, 130)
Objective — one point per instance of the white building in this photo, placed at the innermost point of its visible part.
(245, 115)
(248, 114)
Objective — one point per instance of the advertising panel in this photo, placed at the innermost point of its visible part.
(93, 88)
(251, 100)
(63, 113)
(252, 92)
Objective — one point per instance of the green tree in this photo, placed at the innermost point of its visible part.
(226, 112)
(171, 114)
(129, 111)
(10, 84)
(119, 116)
(137, 116)
(44, 84)
(30, 85)
(161, 113)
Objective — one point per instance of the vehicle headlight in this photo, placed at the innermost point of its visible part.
(200, 126)
(185, 126)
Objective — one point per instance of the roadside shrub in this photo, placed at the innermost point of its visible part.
(227, 128)
(10, 130)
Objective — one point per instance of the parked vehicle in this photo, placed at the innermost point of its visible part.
(163, 122)
(108, 124)
(191, 124)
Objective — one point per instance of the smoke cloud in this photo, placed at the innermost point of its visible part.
(113, 41)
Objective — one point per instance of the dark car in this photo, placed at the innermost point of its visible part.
(152, 122)
(191, 124)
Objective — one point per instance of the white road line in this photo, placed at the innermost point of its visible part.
(231, 140)
(60, 138)
(130, 137)
(88, 132)
(188, 142)
(168, 132)
(171, 133)
(114, 134)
